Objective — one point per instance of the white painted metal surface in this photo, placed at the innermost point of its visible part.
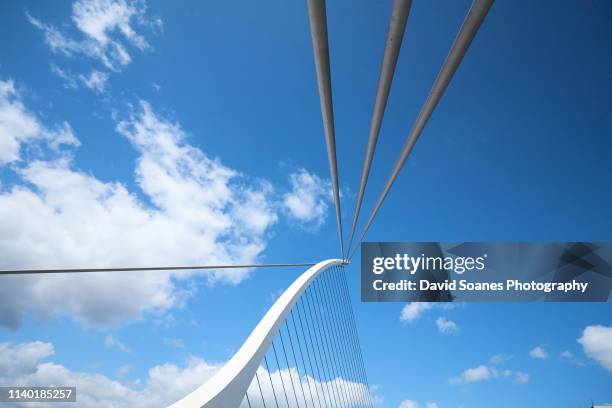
(228, 386)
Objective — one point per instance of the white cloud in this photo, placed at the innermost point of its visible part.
(446, 326)
(567, 355)
(307, 202)
(486, 373)
(22, 357)
(25, 364)
(480, 373)
(539, 353)
(106, 28)
(195, 210)
(19, 127)
(96, 80)
(414, 404)
(70, 80)
(596, 342)
(99, 18)
(500, 358)
(521, 378)
(411, 312)
(112, 342)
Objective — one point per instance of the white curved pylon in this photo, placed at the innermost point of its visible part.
(228, 386)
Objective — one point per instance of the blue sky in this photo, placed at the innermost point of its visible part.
(175, 133)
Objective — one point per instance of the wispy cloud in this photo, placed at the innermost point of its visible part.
(500, 358)
(307, 202)
(19, 127)
(485, 373)
(96, 80)
(414, 404)
(105, 28)
(172, 342)
(112, 342)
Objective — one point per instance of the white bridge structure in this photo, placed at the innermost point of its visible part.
(304, 352)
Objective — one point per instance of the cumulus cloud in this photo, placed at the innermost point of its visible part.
(307, 202)
(486, 373)
(19, 127)
(106, 28)
(194, 210)
(446, 326)
(596, 341)
(26, 364)
(538, 353)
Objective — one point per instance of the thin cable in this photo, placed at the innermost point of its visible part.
(152, 268)
(297, 337)
(270, 376)
(314, 354)
(260, 391)
(280, 373)
(247, 398)
(318, 31)
(324, 358)
(297, 366)
(280, 333)
(393, 43)
(474, 18)
(312, 371)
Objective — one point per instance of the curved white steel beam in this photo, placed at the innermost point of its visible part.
(228, 386)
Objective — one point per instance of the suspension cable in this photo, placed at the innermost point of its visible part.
(395, 34)
(474, 18)
(318, 31)
(150, 268)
